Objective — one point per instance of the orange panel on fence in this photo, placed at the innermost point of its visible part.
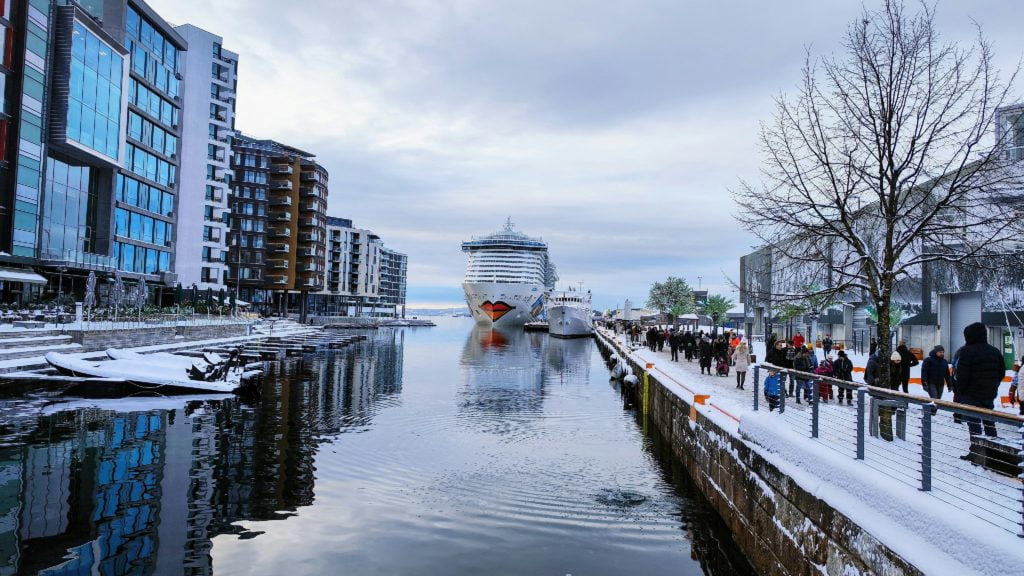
(701, 398)
(1008, 379)
(1004, 400)
(858, 369)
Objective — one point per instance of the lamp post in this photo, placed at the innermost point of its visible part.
(60, 285)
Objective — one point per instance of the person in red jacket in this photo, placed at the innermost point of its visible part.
(798, 340)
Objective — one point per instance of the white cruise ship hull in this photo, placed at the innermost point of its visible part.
(569, 321)
(500, 305)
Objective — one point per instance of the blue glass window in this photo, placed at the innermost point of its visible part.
(95, 98)
(165, 261)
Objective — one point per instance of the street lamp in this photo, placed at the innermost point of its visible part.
(60, 286)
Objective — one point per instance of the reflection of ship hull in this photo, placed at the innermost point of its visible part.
(504, 305)
(569, 321)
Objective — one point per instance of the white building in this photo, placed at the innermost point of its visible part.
(362, 277)
(208, 126)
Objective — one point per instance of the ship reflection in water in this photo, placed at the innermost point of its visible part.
(144, 492)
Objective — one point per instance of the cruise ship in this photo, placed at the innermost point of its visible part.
(507, 275)
(570, 314)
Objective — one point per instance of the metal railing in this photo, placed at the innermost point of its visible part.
(133, 321)
(921, 442)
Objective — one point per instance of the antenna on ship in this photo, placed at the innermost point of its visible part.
(509, 225)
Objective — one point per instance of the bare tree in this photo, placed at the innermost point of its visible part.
(882, 162)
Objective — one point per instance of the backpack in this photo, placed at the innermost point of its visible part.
(790, 353)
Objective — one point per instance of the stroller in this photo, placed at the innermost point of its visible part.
(722, 367)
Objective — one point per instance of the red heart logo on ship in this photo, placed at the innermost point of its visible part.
(496, 309)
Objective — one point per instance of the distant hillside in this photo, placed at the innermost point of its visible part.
(461, 310)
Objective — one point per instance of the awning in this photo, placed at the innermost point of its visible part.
(22, 275)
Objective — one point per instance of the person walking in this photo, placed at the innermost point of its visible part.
(907, 361)
(802, 363)
(935, 374)
(689, 343)
(979, 371)
(705, 355)
(825, 368)
(873, 347)
(842, 369)
(741, 362)
(673, 345)
(772, 389)
(826, 345)
(798, 340)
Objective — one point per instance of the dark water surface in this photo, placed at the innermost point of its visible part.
(447, 450)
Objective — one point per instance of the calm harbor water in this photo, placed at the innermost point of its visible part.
(449, 450)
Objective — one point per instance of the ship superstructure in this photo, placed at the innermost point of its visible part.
(507, 275)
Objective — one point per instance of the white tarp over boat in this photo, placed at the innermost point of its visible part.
(151, 375)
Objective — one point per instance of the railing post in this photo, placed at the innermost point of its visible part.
(757, 371)
(814, 409)
(861, 401)
(926, 448)
(1020, 532)
(782, 393)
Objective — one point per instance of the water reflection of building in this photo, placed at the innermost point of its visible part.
(145, 492)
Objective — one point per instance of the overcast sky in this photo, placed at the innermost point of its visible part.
(613, 130)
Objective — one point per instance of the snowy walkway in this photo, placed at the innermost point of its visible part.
(985, 506)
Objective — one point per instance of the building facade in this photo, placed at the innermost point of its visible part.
(89, 139)
(277, 239)
(208, 126)
(362, 276)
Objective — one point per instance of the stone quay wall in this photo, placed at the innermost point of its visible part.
(783, 529)
(150, 336)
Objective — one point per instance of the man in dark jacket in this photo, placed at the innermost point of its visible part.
(674, 341)
(980, 370)
(935, 372)
(842, 369)
(907, 361)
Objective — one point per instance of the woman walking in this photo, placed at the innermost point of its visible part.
(741, 361)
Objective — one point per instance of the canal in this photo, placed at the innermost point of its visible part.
(446, 450)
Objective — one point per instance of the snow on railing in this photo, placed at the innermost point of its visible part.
(918, 441)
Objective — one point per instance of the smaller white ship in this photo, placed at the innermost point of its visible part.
(569, 313)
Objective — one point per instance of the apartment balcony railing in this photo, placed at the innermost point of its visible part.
(277, 264)
(277, 248)
(281, 201)
(308, 192)
(281, 216)
(308, 176)
(309, 207)
(281, 169)
(281, 185)
(280, 232)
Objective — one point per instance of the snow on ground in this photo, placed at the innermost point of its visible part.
(966, 503)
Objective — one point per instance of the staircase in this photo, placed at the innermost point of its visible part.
(17, 344)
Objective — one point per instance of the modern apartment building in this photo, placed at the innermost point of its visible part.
(208, 126)
(277, 240)
(89, 139)
(363, 277)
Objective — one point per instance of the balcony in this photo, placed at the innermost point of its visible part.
(310, 283)
(280, 232)
(281, 169)
(281, 201)
(309, 207)
(281, 185)
(278, 248)
(281, 216)
(216, 196)
(309, 268)
(277, 264)
(277, 280)
(307, 191)
(309, 237)
(309, 222)
(307, 252)
(213, 236)
(308, 176)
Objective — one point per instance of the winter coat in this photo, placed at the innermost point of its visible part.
(980, 368)
(771, 386)
(827, 343)
(803, 364)
(778, 358)
(741, 359)
(798, 341)
(907, 361)
(871, 370)
(935, 371)
(1017, 381)
(824, 369)
(842, 368)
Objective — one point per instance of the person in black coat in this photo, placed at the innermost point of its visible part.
(689, 343)
(935, 372)
(842, 369)
(907, 361)
(979, 371)
(705, 355)
(776, 355)
(674, 341)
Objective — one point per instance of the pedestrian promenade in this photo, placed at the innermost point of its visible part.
(974, 514)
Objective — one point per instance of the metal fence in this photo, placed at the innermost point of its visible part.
(921, 442)
(134, 321)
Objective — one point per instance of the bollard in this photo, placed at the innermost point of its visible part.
(861, 393)
(782, 393)
(757, 370)
(926, 448)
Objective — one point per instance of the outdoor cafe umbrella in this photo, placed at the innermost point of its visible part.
(223, 299)
(141, 294)
(209, 297)
(195, 296)
(179, 294)
(118, 295)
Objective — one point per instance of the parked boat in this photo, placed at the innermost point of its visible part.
(146, 374)
(569, 314)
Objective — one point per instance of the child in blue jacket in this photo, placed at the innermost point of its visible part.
(772, 389)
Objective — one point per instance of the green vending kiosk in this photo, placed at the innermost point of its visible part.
(1008, 356)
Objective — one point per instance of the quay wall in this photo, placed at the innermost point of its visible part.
(130, 337)
(783, 528)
